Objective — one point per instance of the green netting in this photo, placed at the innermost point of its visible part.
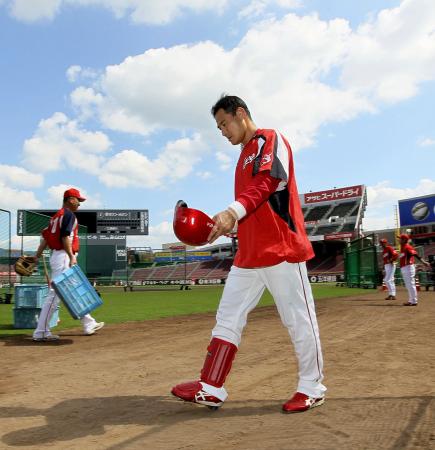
(6, 280)
(361, 263)
(33, 224)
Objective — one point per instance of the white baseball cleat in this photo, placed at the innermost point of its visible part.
(47, 338)
(89, 330)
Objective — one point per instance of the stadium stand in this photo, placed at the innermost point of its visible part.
(5, 269)
(317, 213)
(331, 264)
(429, 249)
(327, 229)
(222, 269)
(342, 209)
(347, 227)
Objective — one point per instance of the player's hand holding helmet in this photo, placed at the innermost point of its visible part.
(25, 265)
(225, 222)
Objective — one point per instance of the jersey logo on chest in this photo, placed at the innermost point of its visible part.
(248, 160)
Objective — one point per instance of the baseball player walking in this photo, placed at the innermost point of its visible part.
(389, 256)
(407, 267)
(273, 248)
(61, 236)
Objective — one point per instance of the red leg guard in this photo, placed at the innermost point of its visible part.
(218, 362)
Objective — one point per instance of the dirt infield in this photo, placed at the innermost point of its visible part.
(111, 391)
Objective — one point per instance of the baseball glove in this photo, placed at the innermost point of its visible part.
(25, 265)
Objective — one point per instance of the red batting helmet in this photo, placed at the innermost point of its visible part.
(191, 226)
(383, 241)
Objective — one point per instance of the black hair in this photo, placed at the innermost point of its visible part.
(230, 103)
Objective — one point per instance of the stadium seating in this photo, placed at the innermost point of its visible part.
(348, 227)
(327, 229)
(342, 209)
(317, 213)
(429, 249)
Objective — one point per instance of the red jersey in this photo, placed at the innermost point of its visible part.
(63, 223)
(389, 255)
(274, 232)
(407, 253)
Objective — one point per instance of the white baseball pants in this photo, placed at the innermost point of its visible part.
(291, 291)
(59, 261)
(390, 269)
(408, 275)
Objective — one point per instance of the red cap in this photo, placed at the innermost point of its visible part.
(73, 193)
(383, 241)
(404, 236)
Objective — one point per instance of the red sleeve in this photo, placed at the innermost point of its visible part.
(258, 191)
(410, 250)
(393, 253)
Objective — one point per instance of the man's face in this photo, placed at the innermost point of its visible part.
(232, 127)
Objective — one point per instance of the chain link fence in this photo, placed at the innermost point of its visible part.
(6, 277)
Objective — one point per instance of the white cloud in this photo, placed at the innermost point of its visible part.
(296, 74)
(12, 199)
(384, 222)
(17, 176)
(205, 175)
(55, 197)
(224, 159)
(72, 73)
(158, 235)
(30, 11)
(391, 55)
(140, 11)
(77, 73)
(174, 88)
(175, 161)
(383, 194)
(60, 142)
(258, 7)
(426, 142)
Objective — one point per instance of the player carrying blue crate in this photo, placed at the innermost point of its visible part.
(61, 236)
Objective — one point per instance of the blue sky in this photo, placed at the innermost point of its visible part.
(113, 97)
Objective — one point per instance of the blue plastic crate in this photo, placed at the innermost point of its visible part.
(30, 295)
(28, 317)
(76, 292)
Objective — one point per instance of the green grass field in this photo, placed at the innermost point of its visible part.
(120, 306)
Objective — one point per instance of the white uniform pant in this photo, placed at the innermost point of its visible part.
(408, 275)
(59, 261)
(291, 291)
(390, 269)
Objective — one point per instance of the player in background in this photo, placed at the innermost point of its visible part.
(407, 267)
(389, 256)
(273, 248)
(61, 236)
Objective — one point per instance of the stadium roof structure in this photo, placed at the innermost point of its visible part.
(334, 214)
